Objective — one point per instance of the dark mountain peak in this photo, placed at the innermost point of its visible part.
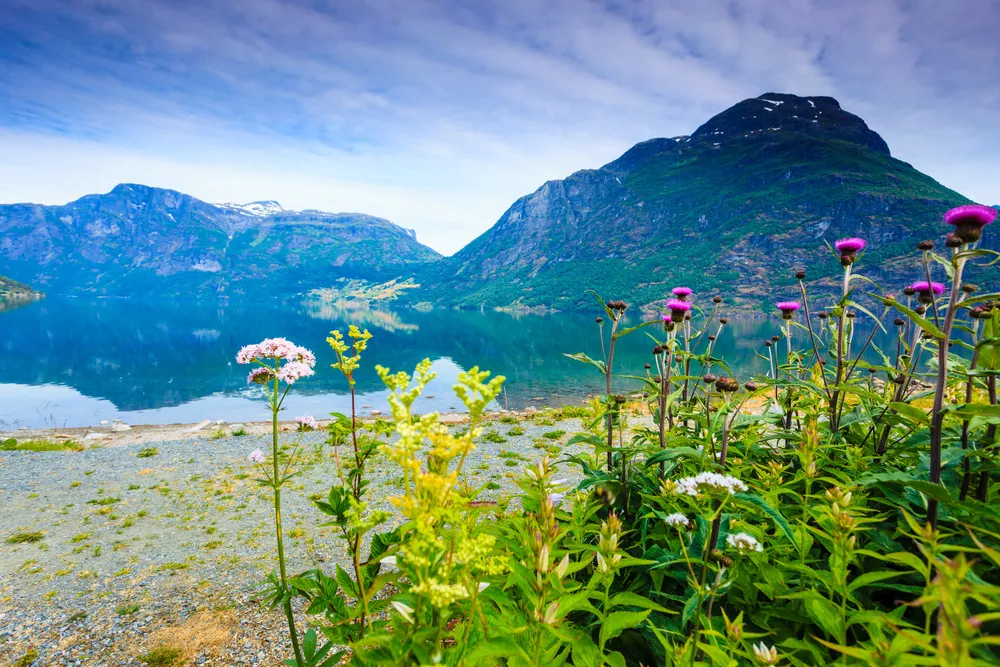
(780, 113)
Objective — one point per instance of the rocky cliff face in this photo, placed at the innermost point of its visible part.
(732, 209)
(144, 240)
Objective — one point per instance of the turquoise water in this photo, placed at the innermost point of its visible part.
(76, 362)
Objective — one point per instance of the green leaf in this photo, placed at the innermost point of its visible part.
(923, 323)
(912, 412)
(826, 615)
(869, 578)
(776, 516)
(618, 621)
(634, 600)
(580, 356)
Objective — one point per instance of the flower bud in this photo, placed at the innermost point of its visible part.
(926, 245)
(899, 321)
(750, 386)
(716, 299)
(723, 320)
(800, 274)
(709, 378)
(952, 241)
(969, 288)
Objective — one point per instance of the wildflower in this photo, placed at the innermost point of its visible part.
(969, 221)
(788, 308)
(260, 375)
(708, 482)
(682, 293)
(293, 371)
(926, 291)
(247, 354)
(726, 384)
(677, 520)
(256, 456)
(307, 423)
(678, 309)
(743, 543)
(849, 249)
(765, 655)
(556, 498)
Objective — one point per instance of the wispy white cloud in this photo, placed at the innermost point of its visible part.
(438, 114)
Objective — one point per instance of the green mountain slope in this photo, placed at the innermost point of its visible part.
(139, 240)
(14, 294)
(732, 209)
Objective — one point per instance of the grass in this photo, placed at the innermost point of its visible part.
(516, 431)
(162, 656)
(493, 436)
(553, 435)
(27, 659)
(147, 452)
(11, 445)
(26, 537)
(126, 609)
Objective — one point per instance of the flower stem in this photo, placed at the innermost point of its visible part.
(276, 482)
(937, 415)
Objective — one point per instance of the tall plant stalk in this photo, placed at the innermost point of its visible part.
(937, 413)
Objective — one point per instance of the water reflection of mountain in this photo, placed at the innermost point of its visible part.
(151, 354)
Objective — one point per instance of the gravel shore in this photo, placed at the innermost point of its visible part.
(134, 543)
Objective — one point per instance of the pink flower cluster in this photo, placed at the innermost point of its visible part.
(299, 361)
(307, 422)
(275, 348)
(256, 456)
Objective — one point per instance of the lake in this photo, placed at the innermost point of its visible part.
(76, 362)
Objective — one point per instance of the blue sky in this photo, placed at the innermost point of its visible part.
(439, 114)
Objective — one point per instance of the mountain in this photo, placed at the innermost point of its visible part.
(733, 209)
(143, 240)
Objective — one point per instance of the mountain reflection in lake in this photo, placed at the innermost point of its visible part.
(75, 362)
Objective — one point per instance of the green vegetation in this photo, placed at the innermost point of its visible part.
(147, 452)
(12, 444)
(163, 656)
(26, 537)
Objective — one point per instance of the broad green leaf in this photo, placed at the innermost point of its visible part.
(776, 516)
(618, 621)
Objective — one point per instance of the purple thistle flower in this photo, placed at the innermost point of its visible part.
(256, 456)
(788, 308)
(678, 309)
(294, 370)
(260, 375)
(849, 249)
(969, 220)
(927, 291)
(682, 293)
(852, 244)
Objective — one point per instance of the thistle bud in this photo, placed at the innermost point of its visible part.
(600, 320)
(709, 379)
(775, 338)
(767, 343)
(723, 320)
(920, 310)
(800, 274)
(658, 349)
(716, 299)
(647, 366)
(822, 314)
(909, 291)
(969, 288)
(851, 314)
(952, 241)
(750, 386)
(926, 245)
(687, 317)
(711, 336)
(899, 321)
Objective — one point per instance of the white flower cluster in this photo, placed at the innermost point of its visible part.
(744, 543)
(708, 482)
(677, 520)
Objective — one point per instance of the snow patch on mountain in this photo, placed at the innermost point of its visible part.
(258, 209)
